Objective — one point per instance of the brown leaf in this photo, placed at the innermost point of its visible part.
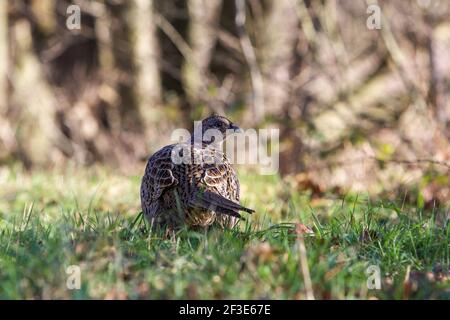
(116, 294)
(191, 291)
(303, 182)
(143, 289)
(301, 229)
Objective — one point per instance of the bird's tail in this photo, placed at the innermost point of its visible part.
(212, 201)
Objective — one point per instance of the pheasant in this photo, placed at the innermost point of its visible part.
(193, 183)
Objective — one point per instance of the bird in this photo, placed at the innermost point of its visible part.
(193, 183)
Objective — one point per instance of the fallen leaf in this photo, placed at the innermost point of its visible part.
(300, 228)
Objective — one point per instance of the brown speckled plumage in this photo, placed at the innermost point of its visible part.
(198, 193)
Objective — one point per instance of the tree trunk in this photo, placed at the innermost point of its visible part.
(7, 138)
(204, 16)
(38, 132)
(278, 54)
(146, 55)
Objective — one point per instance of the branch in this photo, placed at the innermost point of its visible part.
(373, 158)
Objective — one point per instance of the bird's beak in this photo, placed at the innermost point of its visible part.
(236, 129)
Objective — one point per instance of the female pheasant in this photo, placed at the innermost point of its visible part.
(193, 183)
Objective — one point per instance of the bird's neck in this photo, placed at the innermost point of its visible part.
(218, 145)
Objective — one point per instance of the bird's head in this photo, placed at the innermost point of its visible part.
(223, 124)
(215, 126)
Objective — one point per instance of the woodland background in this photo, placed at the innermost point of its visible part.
(358, 109)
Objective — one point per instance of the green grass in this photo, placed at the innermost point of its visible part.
(90, 218)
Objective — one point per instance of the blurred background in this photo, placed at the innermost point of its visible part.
(357, 109)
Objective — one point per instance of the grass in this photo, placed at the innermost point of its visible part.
(90, 218)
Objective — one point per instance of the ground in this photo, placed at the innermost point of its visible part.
(90, 218)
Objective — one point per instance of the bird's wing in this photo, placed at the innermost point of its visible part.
(215, 190)
(159, 173)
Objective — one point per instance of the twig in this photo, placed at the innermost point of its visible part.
(436, 90)
(407, 284)
(188, 54)
(373, 158)
(175, 37)
(399, 59)
(304, 268)
(414, 162)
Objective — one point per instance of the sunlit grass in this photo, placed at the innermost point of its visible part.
(91, 218)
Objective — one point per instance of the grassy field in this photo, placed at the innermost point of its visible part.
(91, 218)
